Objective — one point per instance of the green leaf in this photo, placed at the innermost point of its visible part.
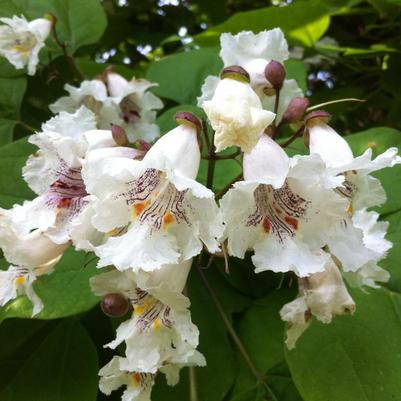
(13, 188)
(213, 341)
(355, 357)
(65, 292)
(6, 130)
(296, 70)
(79, 22)
(302, 22)
(261, 331)
(180, 76)
(392, 261)
(12, 91)
(59, 364)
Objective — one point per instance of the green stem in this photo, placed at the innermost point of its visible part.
(229, 327)
(297, 133)
(193, 394)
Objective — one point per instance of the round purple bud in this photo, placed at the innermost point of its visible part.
(275, 74)
(114, 305)
(295, 110)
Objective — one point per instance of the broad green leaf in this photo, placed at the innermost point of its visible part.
(12, 90)
(79, 22)
(392, 261)
(355, 357)
(213, 341)
(261, 331)
(296, 70)
(13, 188)
(6, 130)
(303, 23)
(64, 292)
(180, 76)
(59, 364)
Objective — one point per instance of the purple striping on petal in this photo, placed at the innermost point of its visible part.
(278, 210)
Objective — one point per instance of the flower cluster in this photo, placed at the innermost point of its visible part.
(140, 210)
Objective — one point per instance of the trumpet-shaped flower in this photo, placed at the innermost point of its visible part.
(54, 171)
(116, 101)
(359, 186)
(31, 254)
(254, 52)
(153, 210)
(235, 113)
(160, 330)
(21, 41)
(322, 295)
(284, 210)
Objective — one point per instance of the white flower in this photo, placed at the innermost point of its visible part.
(138, 385)
(90, 94)
(21, 41)
(54, 173)
(116, 101)
(285, 210)
(153, 210)
(253, 52)
(322, 295)
(359, 187)
(246, 47)
(136, 106)
(160, 330)
(235, 113)
(30, 252)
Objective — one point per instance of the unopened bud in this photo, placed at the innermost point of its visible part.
(275, 74)
(184, 117)
(140, 144)
(114, 305)
(235, 72)
(119, 135)
(314, 118)
(50, 17)
(295, 110)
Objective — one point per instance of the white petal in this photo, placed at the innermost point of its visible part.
(245, 46)
(329, 145)
(266, 163)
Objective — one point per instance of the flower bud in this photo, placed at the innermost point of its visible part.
(119, 135)
(235, 72)
(140, 144)
(114, 305)
(295, 110)
(184, 117)
(312, 119)
(275, 74)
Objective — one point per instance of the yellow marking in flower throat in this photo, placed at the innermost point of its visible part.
(20, 280)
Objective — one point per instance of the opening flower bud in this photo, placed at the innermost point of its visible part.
(235, 72)
(295, 110)
(114, 305)
(312, 119)
(317, 117)
(119, 135)
(184, 117)
(275, 74)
